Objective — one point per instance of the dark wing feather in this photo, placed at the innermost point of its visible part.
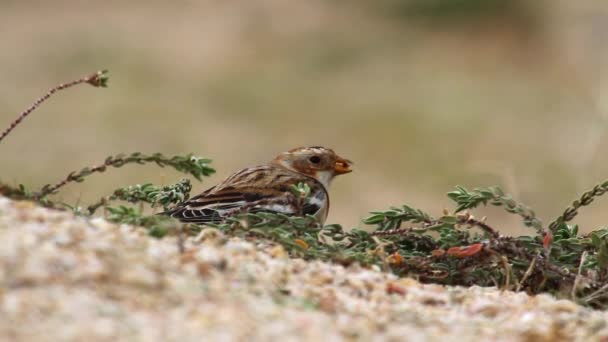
(209, 207)
(262, 188)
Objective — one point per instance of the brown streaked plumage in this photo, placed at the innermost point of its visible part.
(269, 188)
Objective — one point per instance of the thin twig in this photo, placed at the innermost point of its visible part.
(528, 273)
(397, 231)
(505, 263)
(100, 203)
(542, 262)
(577, 280)
(596, 294)
(72, 177)
(467, 218)
(98, 79)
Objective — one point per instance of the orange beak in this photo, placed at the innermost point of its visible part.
(342, 166)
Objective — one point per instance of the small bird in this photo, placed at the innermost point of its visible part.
(270, 188)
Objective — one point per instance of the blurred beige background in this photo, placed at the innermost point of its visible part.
(421, 94)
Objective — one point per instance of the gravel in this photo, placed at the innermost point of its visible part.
(73, 279)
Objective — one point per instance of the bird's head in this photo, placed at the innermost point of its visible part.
(318, 162)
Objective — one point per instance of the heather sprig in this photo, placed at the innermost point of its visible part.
(469, 199)
(587, 198)
(394, 217)
(189, 164)
(148, 193)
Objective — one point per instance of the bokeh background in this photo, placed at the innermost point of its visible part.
(421, 94)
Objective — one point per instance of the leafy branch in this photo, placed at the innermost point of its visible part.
(586, 199)
(148, 193)
(189, 164)
(466, 199)
(394, 217)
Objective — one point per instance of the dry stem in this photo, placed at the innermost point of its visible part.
(98, 79)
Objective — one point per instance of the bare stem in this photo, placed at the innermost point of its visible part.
(577, 280)
(72, 177)
(527, 273)
(391, 232)
(98, 79)
(467, 218)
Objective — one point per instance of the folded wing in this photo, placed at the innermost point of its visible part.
(257, 189)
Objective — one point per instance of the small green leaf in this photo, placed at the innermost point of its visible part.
(449, 219)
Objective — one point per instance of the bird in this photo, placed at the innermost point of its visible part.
(270, 188)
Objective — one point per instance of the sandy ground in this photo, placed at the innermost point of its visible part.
(71, 279)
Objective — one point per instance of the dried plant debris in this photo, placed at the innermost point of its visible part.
(65, 277)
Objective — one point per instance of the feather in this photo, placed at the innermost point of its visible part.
(262, 188)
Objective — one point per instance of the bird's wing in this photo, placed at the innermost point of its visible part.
(262, 188)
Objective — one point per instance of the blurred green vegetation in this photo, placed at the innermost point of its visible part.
(419, 105)
(459, 12)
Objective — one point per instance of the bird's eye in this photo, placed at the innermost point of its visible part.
(315, 159)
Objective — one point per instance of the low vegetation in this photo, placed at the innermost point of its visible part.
(450, 248)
